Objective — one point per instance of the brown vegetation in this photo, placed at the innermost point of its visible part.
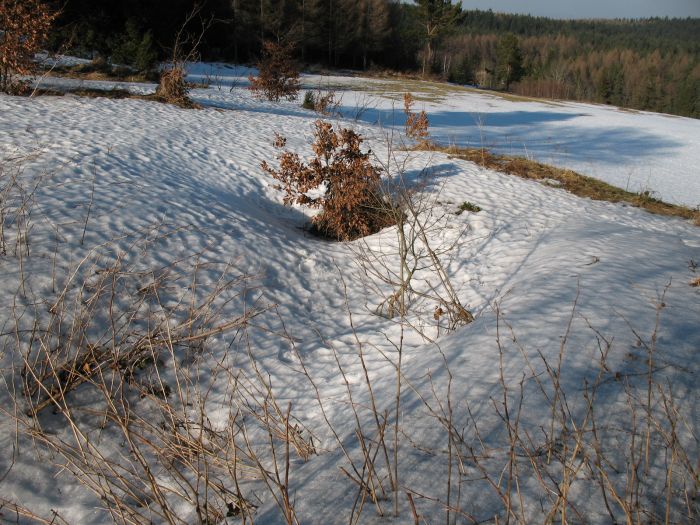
(416, 123)
(568, 180)
(173, 88)
(351, 204)
(278, 75)
(324, 103)
(25, 25)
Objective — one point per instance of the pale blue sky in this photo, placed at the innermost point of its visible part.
(591, 8)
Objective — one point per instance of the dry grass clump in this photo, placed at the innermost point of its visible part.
(173, 88)
(568, 180)
(278, 74)
(350, 201)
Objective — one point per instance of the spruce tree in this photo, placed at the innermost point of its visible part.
(509, 67)
(436, 17)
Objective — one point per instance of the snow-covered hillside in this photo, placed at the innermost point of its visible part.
(579, 369)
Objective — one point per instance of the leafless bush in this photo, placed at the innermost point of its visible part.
(364, 103)
(278, 74)
(122, 356)
(17, 198)
(172, 87)
(18, 194)
(410, 274)
(413, 267)
(620, 444)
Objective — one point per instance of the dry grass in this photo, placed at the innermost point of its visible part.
(117, 94)
(110, 74)
(568, 180)
(173, 89)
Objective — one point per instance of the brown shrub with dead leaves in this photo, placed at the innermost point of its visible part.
(349, 197)
(278, 75)
(24, 26)
(416, 123)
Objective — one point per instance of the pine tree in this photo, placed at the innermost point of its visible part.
(509, 67)
(436, 17)
(373, 27)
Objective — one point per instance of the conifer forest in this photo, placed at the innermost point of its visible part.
(648, 64)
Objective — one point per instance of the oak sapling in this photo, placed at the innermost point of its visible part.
(24, 28)
(416, 123)
(350, 193)
(278, 74)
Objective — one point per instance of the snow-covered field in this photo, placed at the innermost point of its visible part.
(635, 150)
(575, 302)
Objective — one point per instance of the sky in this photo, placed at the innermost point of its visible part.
(591, 8)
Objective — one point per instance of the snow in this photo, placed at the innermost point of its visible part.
(634, 150)
(535, 258)
(49, 60)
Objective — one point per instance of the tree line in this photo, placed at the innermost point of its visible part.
(651, 64)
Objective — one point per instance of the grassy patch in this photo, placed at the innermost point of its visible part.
(468, 206)
(103, 71)
(393, 86)
(114, 94)
(571, 181)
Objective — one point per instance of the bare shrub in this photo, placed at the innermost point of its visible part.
(172, 87)
(416, 123)
(410, 275)
(24, 26)
(119, 369)
(278, 75)
(17, 197)
(351, 201)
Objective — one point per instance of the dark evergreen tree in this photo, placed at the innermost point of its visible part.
(651, 64)
(436, 17)
(509, 67)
